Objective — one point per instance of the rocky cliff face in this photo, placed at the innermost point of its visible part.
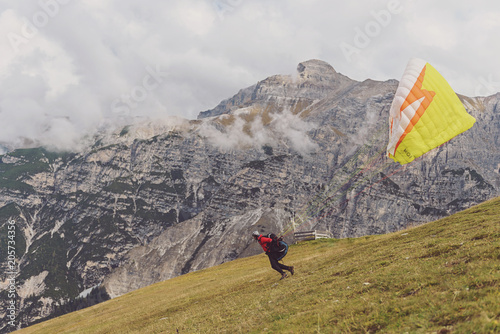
(161, 199)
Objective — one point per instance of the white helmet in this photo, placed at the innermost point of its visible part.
(255, 233)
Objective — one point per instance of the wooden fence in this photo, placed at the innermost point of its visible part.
(311, 235)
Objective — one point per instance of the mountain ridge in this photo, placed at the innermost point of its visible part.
(314, 80)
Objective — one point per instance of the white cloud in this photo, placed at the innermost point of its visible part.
(71, 59)
(194, 16)
(285, 127)
(295, 130)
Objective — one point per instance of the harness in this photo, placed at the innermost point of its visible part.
(283, 249)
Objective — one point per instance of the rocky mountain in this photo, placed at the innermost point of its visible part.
(160, 199)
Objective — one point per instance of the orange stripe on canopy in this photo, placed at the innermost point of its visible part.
(415, 94)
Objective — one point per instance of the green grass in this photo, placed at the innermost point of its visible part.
(441, 275)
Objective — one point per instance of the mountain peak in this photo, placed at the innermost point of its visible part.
(315, 79)
(316, 69)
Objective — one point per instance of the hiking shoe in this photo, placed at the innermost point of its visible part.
(291, 270)
(284, 275)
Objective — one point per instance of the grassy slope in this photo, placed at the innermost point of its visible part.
(444, 274)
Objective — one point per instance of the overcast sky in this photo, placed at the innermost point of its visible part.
(67, 67)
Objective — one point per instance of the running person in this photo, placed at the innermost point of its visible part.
(275, 251)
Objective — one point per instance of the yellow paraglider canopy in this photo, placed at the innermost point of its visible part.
(425, 113)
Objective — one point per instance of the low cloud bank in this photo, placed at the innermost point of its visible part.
(285, 128)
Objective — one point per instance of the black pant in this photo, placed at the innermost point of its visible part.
(275, 263)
